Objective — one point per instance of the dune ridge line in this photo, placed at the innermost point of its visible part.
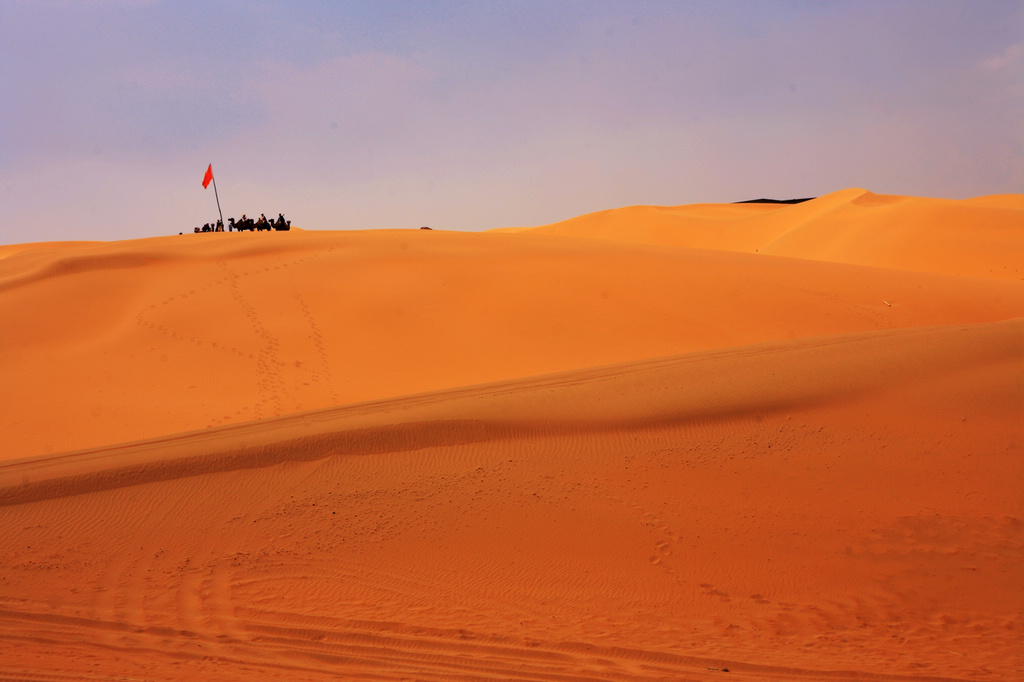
(694, 386)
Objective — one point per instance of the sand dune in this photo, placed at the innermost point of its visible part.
(689, 388)
(981, 237)
(742, 441)
(176, 334)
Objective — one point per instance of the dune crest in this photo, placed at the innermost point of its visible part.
(982, 237)
(751, 441)
(683, 389)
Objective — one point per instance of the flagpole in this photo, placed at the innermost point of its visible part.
(217, 196)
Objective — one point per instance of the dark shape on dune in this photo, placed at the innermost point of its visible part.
(247, 224)
(775, 201)
(426, 228)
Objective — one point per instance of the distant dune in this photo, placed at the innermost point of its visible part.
(747, 441)
(977, 238)
(775, 201)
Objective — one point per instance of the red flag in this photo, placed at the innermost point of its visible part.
(208, 177)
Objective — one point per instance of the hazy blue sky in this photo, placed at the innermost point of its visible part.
(473, 115)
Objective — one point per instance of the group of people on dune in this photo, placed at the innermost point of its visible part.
(246, 223)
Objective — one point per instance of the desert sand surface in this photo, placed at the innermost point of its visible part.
(750, 442)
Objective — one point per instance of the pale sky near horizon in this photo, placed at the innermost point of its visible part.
(476, 115)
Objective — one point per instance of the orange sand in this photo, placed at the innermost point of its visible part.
(648, 443)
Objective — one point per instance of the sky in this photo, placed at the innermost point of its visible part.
(477, 115)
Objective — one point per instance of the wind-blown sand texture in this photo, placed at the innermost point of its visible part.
(750, 442)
